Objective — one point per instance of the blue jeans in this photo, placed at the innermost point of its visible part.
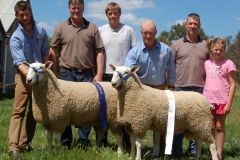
(178, 139)
(85, 76)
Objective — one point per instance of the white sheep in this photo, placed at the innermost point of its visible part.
(141, 108)
(58, 103)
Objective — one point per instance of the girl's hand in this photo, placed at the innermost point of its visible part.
(227, 109)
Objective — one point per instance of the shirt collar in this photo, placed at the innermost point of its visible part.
(86, 23)
(33, 24)
(186, 40)
(157, 44)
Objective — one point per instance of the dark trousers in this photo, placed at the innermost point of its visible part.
(126, 137)
(85, 76)
(178, 139)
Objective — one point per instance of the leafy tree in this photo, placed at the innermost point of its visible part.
(58, 53)
(233, 52)
(177, 31)
(164, 37)
(49, 40)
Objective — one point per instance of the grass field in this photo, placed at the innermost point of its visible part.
(39, 143)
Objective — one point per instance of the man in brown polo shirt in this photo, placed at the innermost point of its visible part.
(81, 57)
(190, 53)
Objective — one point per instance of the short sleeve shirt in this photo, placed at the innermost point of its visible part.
(217, 82)
(152, 63)
(189, 58)
(78, 45)
(117, 43)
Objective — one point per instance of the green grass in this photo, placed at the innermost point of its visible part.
(39, 143)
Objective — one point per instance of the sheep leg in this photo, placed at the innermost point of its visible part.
(57, 138)
(99, 137)
(50, 138)
(133, 144)
(138, 146)
(156, 140)
(213, 151)
(198, 148)
(120, 144)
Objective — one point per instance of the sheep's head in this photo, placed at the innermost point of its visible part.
(120, 74)
(36, 71)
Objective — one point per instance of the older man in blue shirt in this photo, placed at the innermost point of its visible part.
(28, 43)
(155, 61)
(154, 58)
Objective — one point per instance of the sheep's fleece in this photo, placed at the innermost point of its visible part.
(57, 103)
(192, 110)
(141, 108)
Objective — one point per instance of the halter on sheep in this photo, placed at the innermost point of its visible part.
(37, 71)
(141, 108)
(58, 103)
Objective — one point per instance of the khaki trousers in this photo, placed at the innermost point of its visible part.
(22, 99)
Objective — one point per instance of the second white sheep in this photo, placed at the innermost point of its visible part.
(141, 108)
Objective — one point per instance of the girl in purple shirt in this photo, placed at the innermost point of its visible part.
(219, 88)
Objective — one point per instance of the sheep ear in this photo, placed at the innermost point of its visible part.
(113, 67)
(26, 64)
(134, 68)
(48, 64)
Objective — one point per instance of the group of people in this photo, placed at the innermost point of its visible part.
(190, 64)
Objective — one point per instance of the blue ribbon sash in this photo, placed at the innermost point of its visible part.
(102, 100)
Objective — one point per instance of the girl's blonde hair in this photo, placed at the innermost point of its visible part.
(212, 42)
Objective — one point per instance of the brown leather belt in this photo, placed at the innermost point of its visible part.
(161, 87)
(77, 70)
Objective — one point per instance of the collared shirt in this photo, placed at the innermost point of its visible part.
(190, 58)
(26, 48)
(78, 44)
(153, 64)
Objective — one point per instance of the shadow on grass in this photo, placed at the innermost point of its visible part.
(4, 96)
(148, 155)
(147, 152)
(233, 153)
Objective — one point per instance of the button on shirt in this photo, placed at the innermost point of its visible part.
(152, 63)
(26, 48)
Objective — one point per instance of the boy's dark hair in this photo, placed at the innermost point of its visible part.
(22, 6)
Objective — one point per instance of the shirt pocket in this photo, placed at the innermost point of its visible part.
(39, 40)
(162, 62)
(27, 47)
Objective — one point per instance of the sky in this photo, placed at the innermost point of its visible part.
(219, 18)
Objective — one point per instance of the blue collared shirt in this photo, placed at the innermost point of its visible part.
(152, 63)
(26, 48)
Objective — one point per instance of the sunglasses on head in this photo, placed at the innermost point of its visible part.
(193, 15)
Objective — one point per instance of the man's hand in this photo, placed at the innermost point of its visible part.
(97, 78)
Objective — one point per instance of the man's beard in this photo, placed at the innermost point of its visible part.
(25, 24)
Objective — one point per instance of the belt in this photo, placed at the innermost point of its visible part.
(77, 70)
(161, 87)
(191, 87)
(107, 75)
